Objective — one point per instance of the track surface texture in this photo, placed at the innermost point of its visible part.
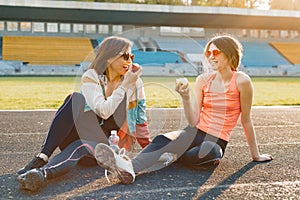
(237, 177)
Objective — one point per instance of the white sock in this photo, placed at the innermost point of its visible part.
(43, 156)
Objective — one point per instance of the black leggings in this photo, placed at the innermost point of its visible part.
(192, 147)
(76, 133)
(79, 150)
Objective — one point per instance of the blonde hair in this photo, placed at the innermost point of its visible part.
(230, 46)
(109, 48)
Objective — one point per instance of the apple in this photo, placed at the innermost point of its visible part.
(181, 81)
(135, 67)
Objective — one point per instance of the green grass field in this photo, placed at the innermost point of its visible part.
(49, 92)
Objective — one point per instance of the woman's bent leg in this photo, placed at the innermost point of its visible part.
(207, 153)
(62, 129)
(161, 144)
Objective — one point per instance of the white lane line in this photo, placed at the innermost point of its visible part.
(237, 127)
(37, 110)
(271, 126)
(206, 187)
(16, 134)
(267, 144)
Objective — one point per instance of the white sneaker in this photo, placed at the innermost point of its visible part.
(119, 165)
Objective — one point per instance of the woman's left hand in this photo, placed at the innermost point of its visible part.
(263, 157)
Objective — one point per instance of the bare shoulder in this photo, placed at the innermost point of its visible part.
(242, 78)
(203, 78)
(243, 82)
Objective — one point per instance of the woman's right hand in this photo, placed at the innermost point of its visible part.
(131, 77)
(182, 87)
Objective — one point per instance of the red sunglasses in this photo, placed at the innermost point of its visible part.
(127, 55)
(213, 52)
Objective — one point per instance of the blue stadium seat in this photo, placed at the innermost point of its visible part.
(184, 45)
(261, 54)
(94, 43)
(99, 40)
(134, 47)
(159, 58)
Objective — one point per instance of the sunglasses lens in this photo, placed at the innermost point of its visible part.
(126, 56)
(132, 57)
(216, 52)
(213, 52)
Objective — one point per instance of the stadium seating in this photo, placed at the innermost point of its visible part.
(159, 58)
(184, 45)
(99, 40)
(38, 50)
(94, 43)
(261, 54)
(290, 51)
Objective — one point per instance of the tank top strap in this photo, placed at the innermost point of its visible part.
(232, 85)
(208, 82)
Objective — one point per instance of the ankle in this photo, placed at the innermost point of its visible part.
(43, 156)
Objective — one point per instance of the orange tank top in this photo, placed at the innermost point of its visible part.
(220, 111)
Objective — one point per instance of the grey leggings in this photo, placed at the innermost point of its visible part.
(187, 147)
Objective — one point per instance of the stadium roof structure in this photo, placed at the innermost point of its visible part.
(147, 15)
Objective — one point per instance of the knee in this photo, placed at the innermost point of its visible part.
(78, 97)
(207, 152)
(210, 149)
(161, 139)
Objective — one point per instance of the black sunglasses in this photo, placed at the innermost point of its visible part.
(127, 55)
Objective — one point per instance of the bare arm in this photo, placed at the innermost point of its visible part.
(246, 95)
(191, 104)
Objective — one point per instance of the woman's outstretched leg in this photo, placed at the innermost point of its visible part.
(175, 143)
(62, 163)
(69, 124)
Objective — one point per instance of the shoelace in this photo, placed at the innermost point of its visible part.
(122, 154)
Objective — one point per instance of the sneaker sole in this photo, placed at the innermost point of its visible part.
(105, 157)
(30, 181)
